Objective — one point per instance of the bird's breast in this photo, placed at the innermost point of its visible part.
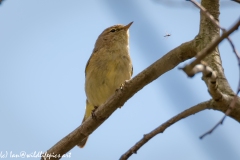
(106, 74)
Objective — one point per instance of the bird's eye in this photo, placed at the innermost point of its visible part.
(113, 30)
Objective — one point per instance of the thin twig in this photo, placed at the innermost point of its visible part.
(230, 108)
(234, 49)
(211, 130)
(161, 128)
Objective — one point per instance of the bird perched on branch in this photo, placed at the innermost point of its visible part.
(107, 69)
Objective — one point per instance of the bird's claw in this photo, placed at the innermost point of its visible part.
(93, 112)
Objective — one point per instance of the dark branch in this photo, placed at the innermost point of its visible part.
(211, 130)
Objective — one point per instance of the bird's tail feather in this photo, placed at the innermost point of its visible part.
(84, 141)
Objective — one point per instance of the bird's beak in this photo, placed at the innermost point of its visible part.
(128, 26)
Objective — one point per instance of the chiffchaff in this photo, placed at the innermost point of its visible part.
(107, 69)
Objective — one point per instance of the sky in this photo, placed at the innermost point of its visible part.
(44, 47)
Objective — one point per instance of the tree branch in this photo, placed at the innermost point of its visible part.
(213, 88)
(161, 128)
(207, 14)
(211, 77)
(227, 113)
(161, 66)
(203, 53)
(164, 64)
(216, 23)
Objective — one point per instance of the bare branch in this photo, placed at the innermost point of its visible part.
(161, 128)
(164, 64)
(212, 91)
(238, 58)
(203, 53)
(234, 49)
(215, 22)
(206, 13)
(227, 113)
(211, 130)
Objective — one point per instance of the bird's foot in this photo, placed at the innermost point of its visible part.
(93, 112)
(122, 85)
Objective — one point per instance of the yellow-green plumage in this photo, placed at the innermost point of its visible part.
(108, 67)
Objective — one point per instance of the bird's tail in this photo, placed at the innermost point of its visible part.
(84, 141)
(88, 112)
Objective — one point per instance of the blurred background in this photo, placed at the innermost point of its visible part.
(44, 47)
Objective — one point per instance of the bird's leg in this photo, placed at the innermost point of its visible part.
(93, 112)
(122, 85)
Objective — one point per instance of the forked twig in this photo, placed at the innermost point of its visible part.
(231, 106)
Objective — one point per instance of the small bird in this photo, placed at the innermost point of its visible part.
(107, 69)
